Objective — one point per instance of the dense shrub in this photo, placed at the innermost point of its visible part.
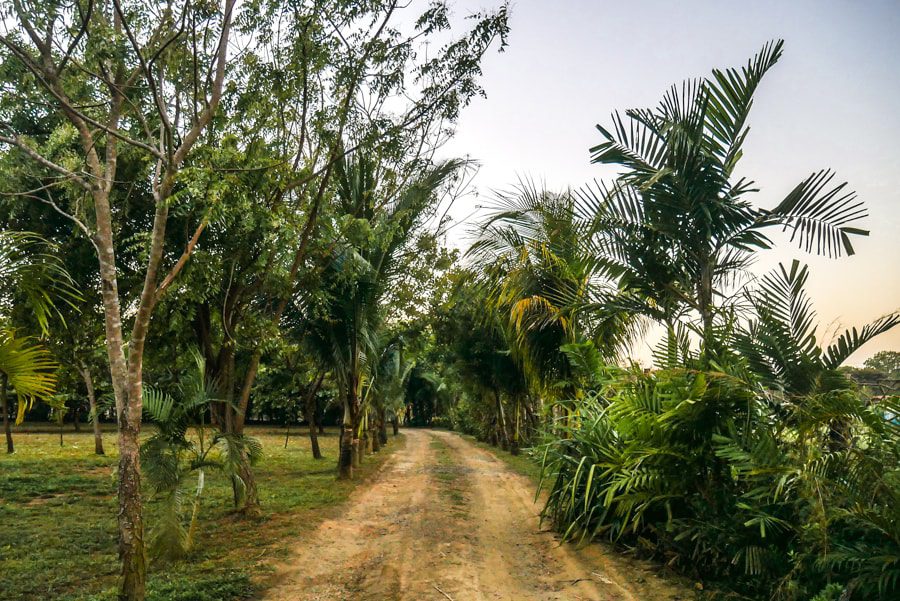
(729, 483)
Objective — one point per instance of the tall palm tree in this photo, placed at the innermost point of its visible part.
(373, 222)
(678, 221)
(550, 287)
(389, 372)
(30, 274)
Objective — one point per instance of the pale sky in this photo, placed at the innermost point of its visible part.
(831, 101)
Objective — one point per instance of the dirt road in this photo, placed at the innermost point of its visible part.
(443, 520)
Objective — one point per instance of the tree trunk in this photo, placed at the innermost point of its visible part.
(501, 423)
(311, 417)
(245, 491)
(346, 455)
(375, 436)
(382, 427)
(314, 441)
(705, 302)
(514, 446)
(10, 448)
(95, 415)
(347, 459)
(355, 458)
(125, 375)
(250, 492)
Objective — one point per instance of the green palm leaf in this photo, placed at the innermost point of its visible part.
(29, 368)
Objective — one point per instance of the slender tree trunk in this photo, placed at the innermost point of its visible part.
(127, 384)
(95, 414)
(705, 302)
(501, 423)
(311, 417)
(375, 436)
(514, 446)
(354, 446)
(382, 427)
(314, 441)
(345, 461)
(10, 448)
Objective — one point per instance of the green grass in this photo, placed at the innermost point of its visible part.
(58, 507)
(451, 477)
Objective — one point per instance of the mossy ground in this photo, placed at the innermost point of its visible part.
(58, 508)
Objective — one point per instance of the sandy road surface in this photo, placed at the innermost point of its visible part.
(445, 519)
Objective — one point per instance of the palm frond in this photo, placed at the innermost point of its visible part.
(820, 215)
(29, 368)
(851, 340)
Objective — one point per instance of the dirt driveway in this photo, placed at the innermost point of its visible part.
(443, 520)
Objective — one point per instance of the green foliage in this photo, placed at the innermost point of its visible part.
(677, 226)
(182, 447)
(28, 368)
(887, 362)
(702, 470)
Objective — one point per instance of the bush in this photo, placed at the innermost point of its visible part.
(705, 471)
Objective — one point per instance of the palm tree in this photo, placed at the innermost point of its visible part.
(550, 287)
(781, 347)
(389, 371)
(33, 276)
(480, 352)
(373, 221)
(677, 221)
(171, 455)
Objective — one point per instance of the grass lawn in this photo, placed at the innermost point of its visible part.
(58, 507)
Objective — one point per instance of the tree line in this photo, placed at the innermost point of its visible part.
(218, 195)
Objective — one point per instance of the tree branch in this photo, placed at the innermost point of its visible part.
(39, 158)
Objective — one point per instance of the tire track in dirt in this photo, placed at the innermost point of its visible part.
(445, 519)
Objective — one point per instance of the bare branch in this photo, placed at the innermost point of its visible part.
(182, 260)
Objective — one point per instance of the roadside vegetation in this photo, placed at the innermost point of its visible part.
(748, 457)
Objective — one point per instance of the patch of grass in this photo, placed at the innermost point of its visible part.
(451, 476)
(58, 508)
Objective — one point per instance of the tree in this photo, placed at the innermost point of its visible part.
(781, 349)
(478, 349)
(170, 456)
(121, 78)
(678, 224)
(544, 277)
(887, 362)
(332, 71)
(373, 222)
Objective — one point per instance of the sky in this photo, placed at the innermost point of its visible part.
(831, 101)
